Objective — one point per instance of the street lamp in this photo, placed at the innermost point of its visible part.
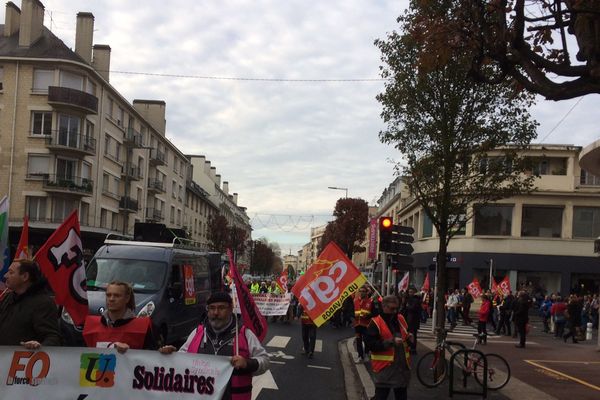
(339, 188)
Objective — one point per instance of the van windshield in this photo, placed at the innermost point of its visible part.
(145, 276)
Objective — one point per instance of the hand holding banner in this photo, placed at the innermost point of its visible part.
(327, 283)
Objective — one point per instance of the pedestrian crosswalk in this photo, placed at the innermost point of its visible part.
(281, 342)
(459, 329)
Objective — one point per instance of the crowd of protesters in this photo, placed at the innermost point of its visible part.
(567, 317)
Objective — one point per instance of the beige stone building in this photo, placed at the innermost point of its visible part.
(543, 240)
(70, 141)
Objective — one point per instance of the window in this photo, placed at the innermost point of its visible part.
(539, 221)
(105, 182)
(586, 222)
(42, 78)
(175, 164)
(91, 88)
(66, 169)
(180, 192)
(36, 208)
(62, 208)
(109, 109)
(114, 221)
(89, 129)
(41, 123)
(84, 214)
(103, 218)
(427, 226)
(120, 117)
(68, 130)
(86, 170)
(172, 219)
(107, 140)
(588, 179)
(71, 80)
(37, 165)
(178, 217)
(174, 189)
(493, 220)
(118, 152)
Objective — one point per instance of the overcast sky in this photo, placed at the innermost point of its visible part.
(278, 144)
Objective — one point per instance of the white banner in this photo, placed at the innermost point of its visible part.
(98, 374)
(268, 304)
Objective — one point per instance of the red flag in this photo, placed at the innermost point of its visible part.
(494, 286)
(504, 286)
(251, 316)
(327, 283)
(425, 287)
(282, 281)
(474, 288)
(61, 262)
(403, 284)
(23, 246)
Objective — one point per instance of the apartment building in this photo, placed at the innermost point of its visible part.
(69, 140)
(543, 240)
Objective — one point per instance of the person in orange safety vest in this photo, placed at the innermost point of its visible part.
(388, 339)
(118, 326)
(363, 311)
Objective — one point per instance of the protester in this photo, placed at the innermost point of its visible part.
(363, 311)
(118, 326)
(452, 306)
(387, 338)
(573, 314)
(545, 313)
(484, 313)
(309, 333)
(222, 336)
(557, 311)
(255, 287)
(28, 315)
(466, 307)
(412, 313)
(521, 316)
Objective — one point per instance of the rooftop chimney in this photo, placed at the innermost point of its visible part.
(226, 187)
(12, 18)
(207, 168)
(235, 198)
(31, 22)
(154, 112)
(84, 35)
(101, 60)
(217, 179)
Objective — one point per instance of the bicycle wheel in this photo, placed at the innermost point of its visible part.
(498, 372)
(432, 369)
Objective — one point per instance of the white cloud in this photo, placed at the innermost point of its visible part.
(279, 144)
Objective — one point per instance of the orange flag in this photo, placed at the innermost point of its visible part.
(327, 283)
(23, 246)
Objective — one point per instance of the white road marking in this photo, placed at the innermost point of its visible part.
(317, 366)
(264, 381)
(319, 346)
(277, 362)
(279, 341)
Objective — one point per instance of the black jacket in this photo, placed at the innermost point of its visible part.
(29, 316)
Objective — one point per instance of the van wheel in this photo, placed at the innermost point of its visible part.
(162, 336)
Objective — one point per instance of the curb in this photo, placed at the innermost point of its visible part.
(359, 385)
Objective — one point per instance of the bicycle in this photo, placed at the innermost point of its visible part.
(432, 368)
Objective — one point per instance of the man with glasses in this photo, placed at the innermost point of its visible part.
(222, 336)
(363, 311)
(388, 339)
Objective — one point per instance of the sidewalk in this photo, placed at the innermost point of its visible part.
(359, 383)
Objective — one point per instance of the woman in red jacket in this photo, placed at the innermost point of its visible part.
(484, 313)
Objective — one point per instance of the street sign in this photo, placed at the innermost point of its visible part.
(406, 230)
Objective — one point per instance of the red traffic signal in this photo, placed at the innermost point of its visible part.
(385, 224)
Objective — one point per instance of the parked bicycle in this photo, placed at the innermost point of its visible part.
(432, 368)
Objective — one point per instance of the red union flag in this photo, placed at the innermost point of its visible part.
(403, 284)
(504, 286)
(474, 288)
(23, 246)
(327, 283)
(282, 281)
(61, 262)
(251, 316)
(425, 287)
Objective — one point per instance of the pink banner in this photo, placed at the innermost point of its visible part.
(373, 239)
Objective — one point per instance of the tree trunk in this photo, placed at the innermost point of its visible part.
(441, 285)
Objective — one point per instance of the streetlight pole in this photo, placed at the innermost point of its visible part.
(339, 188)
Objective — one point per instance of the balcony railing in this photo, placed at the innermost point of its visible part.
(131, 171)
(70, 184)
(128, 204)
(153, 214)
(133, 138)
(65, 141)
(63, 96)
(156, 185)
(157, 157)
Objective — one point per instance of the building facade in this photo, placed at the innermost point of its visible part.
(542, 241)
(70, 141)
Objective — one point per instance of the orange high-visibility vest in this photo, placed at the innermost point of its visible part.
(383, 359)
(362, 311)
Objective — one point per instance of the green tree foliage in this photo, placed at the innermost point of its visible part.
(550, 47)
(218, 233)
(460, 139)
(349, 226)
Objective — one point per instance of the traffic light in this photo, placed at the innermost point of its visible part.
(385, 234)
